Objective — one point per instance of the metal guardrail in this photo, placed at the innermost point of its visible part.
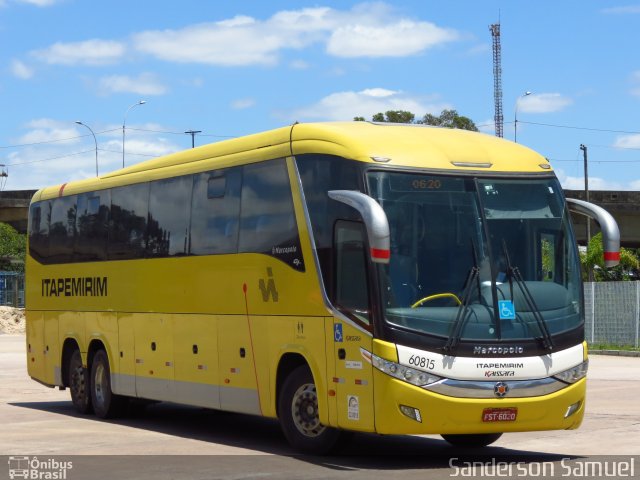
(12, 289)
(612, 313)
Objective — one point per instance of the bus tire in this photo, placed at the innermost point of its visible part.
(475, 440)
(298, 414)
(106, 404)
(79, 384)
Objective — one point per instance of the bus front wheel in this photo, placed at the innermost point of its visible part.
(476, 440)
(106, 404)
(298, 414)
(79, 384)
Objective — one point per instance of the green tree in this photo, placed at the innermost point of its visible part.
(447, 119)
(13, 247)
(394, 116)
(593, 260)
(450, 119)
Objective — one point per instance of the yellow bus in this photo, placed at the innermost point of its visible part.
(337, 276)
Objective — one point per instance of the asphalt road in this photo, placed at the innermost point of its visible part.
(172, 441)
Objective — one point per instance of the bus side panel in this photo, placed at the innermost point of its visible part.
(259, 339)
(195, 353)
(304, 336)
(52, 374)
(154, 356)
(332, 407)
(354, 389)
(238, 390)
(35, 345)
(71, 325)
(125, 377)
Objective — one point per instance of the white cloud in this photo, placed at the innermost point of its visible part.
(243, 103)
(622, 10)
(627, 141)
(48, 130)
(40, 165)
(299, 65)
(366, 103)
(399, 39)
(143, 84)
(88, 52)
(543, 103)
(595, 183)
(21, 70)
(368, 30)
(635, 80)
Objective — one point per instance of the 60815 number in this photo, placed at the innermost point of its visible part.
(422, 362)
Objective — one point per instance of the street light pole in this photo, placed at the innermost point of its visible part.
(193, 136)
(515, 116)
(586, 195)
(140, 102)
(94, 139)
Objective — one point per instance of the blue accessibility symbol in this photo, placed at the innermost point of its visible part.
(507, 310)
(337, 332)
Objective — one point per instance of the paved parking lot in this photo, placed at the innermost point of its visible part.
(36, 420)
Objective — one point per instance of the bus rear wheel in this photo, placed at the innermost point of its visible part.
(475, 440)
(106, 404)
(299, 418)
(79, 384)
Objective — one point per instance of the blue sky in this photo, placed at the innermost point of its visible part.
(234, 68)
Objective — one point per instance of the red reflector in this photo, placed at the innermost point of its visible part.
(378, 253)
(615, 256)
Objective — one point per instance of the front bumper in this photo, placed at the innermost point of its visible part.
(441, 414)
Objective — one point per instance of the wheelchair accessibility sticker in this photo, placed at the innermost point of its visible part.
(507, 310)
(337, 332)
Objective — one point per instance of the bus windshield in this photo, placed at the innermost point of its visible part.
(478, 259)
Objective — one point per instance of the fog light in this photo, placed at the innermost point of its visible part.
(572, 409)
(411, 412)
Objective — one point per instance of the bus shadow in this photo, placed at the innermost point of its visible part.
(362, 452)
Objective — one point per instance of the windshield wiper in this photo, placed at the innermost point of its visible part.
(461, 316)
(513, 273)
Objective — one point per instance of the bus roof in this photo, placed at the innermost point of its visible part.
(398, 145)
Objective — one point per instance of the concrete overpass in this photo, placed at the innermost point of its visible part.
(14, 208)
(624, 206)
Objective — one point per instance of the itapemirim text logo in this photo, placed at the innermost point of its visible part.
(38, 469)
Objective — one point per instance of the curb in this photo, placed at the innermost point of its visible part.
(617, 353)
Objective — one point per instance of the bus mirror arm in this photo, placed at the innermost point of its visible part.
(608, 226)
(375, 220)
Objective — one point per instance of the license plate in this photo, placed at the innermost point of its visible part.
(499, 414)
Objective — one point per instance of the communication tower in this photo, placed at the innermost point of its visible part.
(497, 79)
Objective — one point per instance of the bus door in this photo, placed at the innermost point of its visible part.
(353, 377)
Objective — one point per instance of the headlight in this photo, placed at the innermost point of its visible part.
(406, 374)
(573, 374)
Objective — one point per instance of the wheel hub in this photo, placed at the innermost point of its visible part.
(304, 409)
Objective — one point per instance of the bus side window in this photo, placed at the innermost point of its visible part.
(351, 288)
(128, 226)
(169, 210)
(215, 212)
(62, 229)
(39, 230)
(92, 226)
(268, 223)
